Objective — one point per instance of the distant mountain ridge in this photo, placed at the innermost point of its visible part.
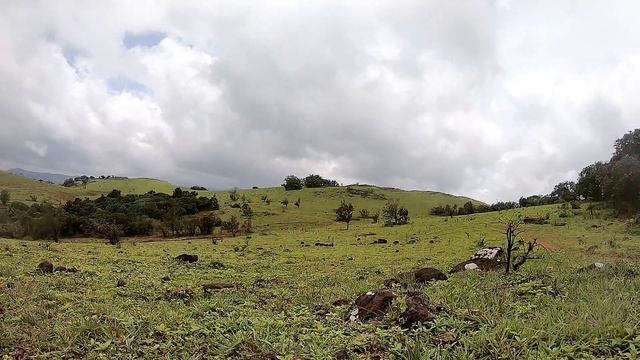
(44, 176)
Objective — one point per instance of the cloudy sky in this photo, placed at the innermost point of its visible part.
(491, 99)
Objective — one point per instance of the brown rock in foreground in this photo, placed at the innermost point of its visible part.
(45, 267)
(372, 305)
(417, 311)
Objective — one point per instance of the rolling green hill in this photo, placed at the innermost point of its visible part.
(131, 186)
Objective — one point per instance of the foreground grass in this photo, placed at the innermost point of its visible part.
(547, 310)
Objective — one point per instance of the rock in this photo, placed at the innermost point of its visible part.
(187, 258)
(372, 305)
(209, 288)
(324, 244)
(45, 267)
(165, 278)
(488, 253)
(471, 266)
(65, 269)
(446, 338)
(396, 242)
(417, 311)
(380, 241)
(217, 265)
(179, 294)
(479, 264)
(427, 275)
(597, 266)
(121, 283)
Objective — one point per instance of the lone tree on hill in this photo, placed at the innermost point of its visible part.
(4, 197)
(344, 213)
(292, 182)
(395, 214)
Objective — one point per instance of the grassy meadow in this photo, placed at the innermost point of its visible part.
(281, 305)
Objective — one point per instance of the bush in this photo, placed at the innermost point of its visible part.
(292, 182)
(394, 214)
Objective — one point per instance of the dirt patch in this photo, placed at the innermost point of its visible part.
(179, 294)
(213, 287)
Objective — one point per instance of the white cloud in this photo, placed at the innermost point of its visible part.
(483, 98)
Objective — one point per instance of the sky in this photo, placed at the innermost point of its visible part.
(489, 99)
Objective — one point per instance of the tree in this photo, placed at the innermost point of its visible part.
(292, 182)
(394, 214)
(285, 202)
(344, 213)
(177, 193)
(208, 224)
(590, 181)
(4, 197)
(246, 210)
(628, 144)
(297, 203)
(565, 191)
(69, 182)
(233, 195)
(622, 185)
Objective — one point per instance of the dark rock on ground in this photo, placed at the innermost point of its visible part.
(380, 241)
(165, 278)
(209, 288)
(396, 242)
(121, 283)
(187, 258)
(427, 275)
(417, 311)
(324, 244)
(479, 264)
(45, 267)
(372, 305)
(65, 269)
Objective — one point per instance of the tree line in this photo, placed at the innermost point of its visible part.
(615, 182)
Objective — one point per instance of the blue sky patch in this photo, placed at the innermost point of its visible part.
(119, 84)
(143, 39)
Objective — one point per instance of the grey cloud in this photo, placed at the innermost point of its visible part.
(418, 94)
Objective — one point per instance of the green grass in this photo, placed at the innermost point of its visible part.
(131, 186)
(547, 310)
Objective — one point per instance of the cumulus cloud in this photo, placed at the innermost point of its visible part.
(488, 99)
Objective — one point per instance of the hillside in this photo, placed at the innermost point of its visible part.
(44, 176)
(131, 186)
(27, 190)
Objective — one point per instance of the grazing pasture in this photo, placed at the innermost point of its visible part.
(275, 294)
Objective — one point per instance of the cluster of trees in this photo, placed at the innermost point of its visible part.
(113, 215)
(84, 179)
(393, 213)
(469, 208)
(293, 182)
(616, 182)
